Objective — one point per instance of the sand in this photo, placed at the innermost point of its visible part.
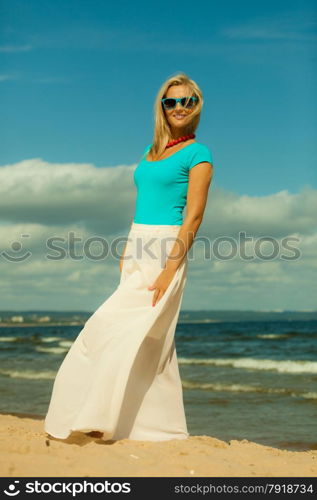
(27, 451)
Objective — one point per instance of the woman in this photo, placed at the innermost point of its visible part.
(120, 378)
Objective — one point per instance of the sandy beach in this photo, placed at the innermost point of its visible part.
(27, 451)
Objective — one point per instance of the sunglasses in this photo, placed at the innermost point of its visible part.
(186, 102)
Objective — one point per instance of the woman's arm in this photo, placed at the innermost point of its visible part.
(199, 181)
(200, 178)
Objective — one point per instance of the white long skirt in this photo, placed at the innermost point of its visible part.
(121, 375)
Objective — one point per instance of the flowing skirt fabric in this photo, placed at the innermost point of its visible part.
(121, 376)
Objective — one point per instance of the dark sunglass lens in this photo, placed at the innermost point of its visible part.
(169, 103)
(189, 103)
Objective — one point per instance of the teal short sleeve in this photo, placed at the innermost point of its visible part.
(200, 154)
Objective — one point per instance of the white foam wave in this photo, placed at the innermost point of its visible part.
(284, 366)
(43, 339)
(246, 388)
(310, 395)
(51, 350)
(272, 336)
(51, 339)
(28, 374)
(65, 343)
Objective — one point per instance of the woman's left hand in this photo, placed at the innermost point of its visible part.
(161, 284)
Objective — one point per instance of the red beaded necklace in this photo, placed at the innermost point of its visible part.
(180, 139)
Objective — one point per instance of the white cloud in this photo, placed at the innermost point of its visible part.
(35, 191)
(42, 200)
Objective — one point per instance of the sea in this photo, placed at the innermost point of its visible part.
(252, 378)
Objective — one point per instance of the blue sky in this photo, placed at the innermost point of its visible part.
(80, 77)
(78, 81)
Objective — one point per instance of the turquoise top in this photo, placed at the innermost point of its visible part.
(162, 185)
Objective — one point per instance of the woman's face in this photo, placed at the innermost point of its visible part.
(179, 117)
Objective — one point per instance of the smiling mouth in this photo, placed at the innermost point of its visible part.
(178, 117)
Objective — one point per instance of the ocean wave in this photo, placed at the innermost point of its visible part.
(32, 339)
(52, 350)
(272, 336)
(51, 339)
(283, 366)
(65, 343)
(246, 388)
(28, 374)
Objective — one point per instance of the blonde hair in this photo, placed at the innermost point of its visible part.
(162, 133)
